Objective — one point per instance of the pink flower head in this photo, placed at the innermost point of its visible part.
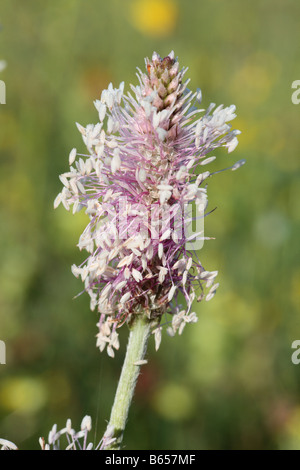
(135, 184)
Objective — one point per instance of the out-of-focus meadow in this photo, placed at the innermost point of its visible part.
(228, 382)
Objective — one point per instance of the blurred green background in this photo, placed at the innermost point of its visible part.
(228, 382)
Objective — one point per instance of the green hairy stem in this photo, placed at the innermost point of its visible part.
(136, 350)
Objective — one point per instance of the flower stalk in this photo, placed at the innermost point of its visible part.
(135, 353)
(141, 175)
(143, 168)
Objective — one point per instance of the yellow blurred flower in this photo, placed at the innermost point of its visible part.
(254, 80)
(154, 17)
(23, 394)
(174, 402)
